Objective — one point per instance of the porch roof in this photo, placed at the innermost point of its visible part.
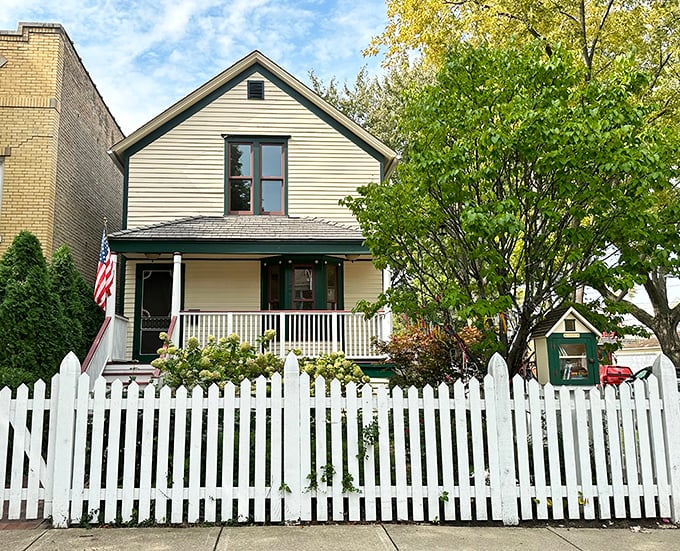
(241, 234)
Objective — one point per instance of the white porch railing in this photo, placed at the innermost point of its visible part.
(119, 344)
(312, 332)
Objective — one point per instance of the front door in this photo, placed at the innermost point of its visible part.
(152, 310)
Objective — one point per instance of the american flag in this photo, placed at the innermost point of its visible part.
(104, 281)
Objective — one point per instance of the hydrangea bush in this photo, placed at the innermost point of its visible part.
(231, 360)
(220, 361)
(334, 366)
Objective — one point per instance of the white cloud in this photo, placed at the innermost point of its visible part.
(144, 55)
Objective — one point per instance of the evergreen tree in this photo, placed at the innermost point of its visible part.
(64, 279)
(31, 319)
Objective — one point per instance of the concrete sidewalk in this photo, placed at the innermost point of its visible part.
(364, 537)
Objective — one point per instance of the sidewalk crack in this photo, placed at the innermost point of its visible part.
(550, 529)
(217, 540)
(35, 540)
(389, 536)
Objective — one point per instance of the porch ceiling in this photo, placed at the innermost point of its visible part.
(241, 234)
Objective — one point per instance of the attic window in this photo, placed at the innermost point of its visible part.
(256, 89)
(570, 324)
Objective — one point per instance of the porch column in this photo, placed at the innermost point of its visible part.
(176, 285)
(387, 319)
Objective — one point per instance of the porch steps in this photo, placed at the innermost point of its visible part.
(127, 372)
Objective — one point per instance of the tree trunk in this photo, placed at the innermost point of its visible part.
(669, 340)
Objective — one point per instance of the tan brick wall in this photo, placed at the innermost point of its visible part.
(89, 186)
(58, 180)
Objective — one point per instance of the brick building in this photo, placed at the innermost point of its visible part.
(56, 179)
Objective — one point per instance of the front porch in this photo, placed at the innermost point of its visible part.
(245, 285)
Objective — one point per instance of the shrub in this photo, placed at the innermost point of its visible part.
(219, 361)
(231, 360)
(333, 366)
(423, 355)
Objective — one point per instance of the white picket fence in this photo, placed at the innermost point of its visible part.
(273, 451)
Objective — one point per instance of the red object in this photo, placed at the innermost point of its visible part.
(614, 374)
(104, 281)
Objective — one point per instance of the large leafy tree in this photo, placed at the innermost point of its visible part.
(595, 31)
(516, 171)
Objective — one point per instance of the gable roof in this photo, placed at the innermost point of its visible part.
(253, 60)
(243, 234)
(553, 318)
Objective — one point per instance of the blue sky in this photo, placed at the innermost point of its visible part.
(144, 55)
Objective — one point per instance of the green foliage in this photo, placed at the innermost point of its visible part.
(348, 486)
(220, 362)
(376, 103)
(515, 172)
(333, 366)
(65, 281)
(45, 312)
(231, 360)
(369, 437)
(313, 483)
(423, 356)
(32, 323)
(327, 473)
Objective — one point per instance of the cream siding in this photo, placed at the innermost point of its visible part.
(226, 286)
(362, 281)
(129, 304)
(183, 170)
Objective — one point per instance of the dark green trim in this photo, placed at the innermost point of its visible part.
(126, 187)
(341, 286)
(120, 245)
(190, 111)
(255, 137)
(377, 369)
(120, 306)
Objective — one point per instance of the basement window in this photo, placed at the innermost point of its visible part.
(256, 89)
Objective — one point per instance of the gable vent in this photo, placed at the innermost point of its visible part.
(255, 89)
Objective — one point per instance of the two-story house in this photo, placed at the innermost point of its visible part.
(233, 223)
(56, 179)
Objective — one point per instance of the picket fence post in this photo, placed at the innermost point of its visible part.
(498, 369)
(664, 371)
(292, 483)
(62, 410)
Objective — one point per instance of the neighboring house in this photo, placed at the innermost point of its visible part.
(637, 353)
(232, 223)
(56, 179)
